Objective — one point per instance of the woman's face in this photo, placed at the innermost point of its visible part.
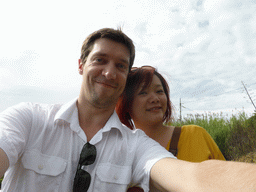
(150, 104)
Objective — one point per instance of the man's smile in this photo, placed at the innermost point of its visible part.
(106, 84)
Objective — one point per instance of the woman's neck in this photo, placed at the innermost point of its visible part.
(159, 132)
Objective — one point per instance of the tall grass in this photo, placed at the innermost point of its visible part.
(235, 136)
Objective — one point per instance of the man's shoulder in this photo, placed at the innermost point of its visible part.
(42, 108)
(34, 105)
(126, 131)
(32, 108)
(136, 135)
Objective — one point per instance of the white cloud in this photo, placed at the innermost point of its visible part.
(7, 78)
(193, 41)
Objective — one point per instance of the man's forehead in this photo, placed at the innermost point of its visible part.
(105, 43)
(106, 47)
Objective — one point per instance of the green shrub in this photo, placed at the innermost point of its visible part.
(235, 136)
(242, 137)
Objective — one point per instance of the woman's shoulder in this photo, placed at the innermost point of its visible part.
(193, 129)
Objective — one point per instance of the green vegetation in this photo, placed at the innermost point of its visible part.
(235, 136)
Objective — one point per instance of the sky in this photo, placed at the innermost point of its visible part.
(205, 49)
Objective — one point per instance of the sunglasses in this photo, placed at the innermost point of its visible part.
(83, 178)
(147, 67)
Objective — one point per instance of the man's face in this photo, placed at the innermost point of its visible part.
(104, 73)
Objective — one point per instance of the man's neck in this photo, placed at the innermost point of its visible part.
(91, 118)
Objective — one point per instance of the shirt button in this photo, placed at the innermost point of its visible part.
(40, 167)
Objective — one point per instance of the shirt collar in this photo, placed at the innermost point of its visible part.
(68, 112)
(114, 122)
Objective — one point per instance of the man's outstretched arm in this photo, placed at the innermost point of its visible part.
(4, 162)
(208, 176)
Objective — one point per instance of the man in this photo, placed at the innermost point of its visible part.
(83, 146)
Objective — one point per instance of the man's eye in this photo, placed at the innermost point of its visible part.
(98, 60)
(122, 66)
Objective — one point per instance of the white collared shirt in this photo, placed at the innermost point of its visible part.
(44, 142)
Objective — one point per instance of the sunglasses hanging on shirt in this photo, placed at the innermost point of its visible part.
(83, 178)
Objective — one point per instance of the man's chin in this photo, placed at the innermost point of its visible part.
(105, 102)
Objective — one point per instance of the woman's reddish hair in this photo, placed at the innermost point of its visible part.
(136, 78)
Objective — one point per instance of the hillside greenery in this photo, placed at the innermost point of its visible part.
(235, 136)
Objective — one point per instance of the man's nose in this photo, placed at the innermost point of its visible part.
(109, 71)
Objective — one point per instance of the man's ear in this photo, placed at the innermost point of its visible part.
(80, 66)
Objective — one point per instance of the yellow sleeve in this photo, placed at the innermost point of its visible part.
(196, 145)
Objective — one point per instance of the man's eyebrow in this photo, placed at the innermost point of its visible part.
(99, 54)
(106, 55)
(125, 61)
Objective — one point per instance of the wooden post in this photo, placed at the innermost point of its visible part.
(249, 95)
(180, 110)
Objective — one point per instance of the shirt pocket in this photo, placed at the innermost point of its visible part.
(43, 171)
(110, 177)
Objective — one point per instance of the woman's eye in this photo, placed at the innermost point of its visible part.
(143, 93)
(160, 91)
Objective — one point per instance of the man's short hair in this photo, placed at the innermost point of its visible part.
(113, 34)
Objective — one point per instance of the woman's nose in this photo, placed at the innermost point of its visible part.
(154, 98)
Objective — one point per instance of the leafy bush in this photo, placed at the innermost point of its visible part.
(235, 136)
(242, 138)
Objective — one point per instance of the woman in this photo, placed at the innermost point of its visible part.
(146, 102)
